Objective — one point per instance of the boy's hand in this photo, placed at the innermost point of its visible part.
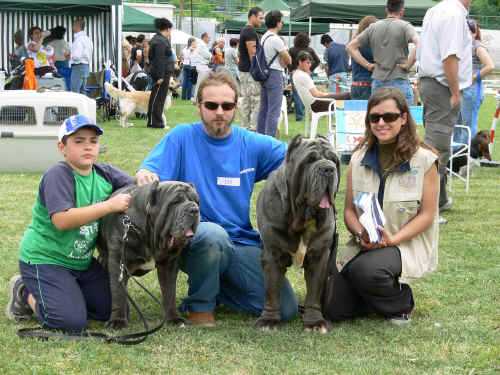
(119, 202)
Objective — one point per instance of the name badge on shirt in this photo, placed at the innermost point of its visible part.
(228, 181)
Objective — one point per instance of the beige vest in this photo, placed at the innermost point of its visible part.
(402, 199)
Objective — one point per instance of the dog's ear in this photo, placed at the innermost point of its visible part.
(153, 194)
(294, 142)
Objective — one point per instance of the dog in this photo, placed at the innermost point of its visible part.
(479, 147)
(296, 217)
(163, 217)
(137, 101)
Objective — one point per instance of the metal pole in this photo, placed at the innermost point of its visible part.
(192, 24)
(118, 44)
(310, 27)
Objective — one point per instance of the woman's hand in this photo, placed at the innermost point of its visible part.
(387, 239)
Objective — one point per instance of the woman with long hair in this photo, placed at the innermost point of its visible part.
(394, 167)
(362, 78)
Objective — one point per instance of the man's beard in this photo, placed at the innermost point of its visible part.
(215, 131)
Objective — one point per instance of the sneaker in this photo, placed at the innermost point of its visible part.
(202, 318)
(447, 206)
(442, 220)
(402, 319)
(17, 308)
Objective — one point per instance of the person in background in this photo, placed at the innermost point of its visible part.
(137, 54)
(126, 53)
(395, 165)
(361, 77)
(61, 47)
(40, 53)
(250, 89)
(473, 95)
(218, 54)
(81, 55)
(161, 68)
(20, 50)
(187, 84)
(271, 92)
(337, 60)
(232, 58)
(301, 43)
(201, 59)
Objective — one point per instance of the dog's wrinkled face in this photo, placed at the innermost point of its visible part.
(314, 172)
(174, 212)
(483, 139)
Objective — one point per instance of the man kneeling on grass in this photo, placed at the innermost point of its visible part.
(60, 280)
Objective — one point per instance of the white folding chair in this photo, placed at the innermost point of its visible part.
(462, 149)
(312, 118)
(284, 114)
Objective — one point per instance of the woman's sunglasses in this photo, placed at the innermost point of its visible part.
(212, 106)
(388, 117)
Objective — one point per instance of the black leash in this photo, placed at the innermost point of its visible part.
(128, 339)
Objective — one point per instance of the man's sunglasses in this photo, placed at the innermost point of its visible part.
(212, 106)
(388, 117)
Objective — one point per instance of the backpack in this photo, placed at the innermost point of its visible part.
(259, 68)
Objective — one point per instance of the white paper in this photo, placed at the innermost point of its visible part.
(372, 215)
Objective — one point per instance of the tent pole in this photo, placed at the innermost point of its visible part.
(310, 26)
(289, 32)
(119, 45)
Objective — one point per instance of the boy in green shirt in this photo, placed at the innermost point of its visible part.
(60, 280)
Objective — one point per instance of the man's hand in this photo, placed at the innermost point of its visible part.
(119, 202)
(143, 177)
(454, 100)
(370, 67)
(160, 81)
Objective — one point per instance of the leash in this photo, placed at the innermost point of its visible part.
(127, 339)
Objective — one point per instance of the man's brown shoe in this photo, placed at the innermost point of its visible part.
(202, 318)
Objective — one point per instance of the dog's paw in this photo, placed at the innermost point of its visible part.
(267, 324)
(116, 324)
(322, 326)
(178, 322)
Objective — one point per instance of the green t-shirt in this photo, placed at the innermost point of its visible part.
(60, 189)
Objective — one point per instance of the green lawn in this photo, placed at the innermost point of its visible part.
(456, 326)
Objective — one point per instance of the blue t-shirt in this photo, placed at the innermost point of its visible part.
(337, 58)
(359, 73)
(223, 171)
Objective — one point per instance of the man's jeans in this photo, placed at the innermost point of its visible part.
(402, 84)
(221, 271)
(79, 74)
(333, 81)
(187, 84)
(299, 105)
(467, 112)
(271, 99)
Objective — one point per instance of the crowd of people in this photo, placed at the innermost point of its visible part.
(405, 174)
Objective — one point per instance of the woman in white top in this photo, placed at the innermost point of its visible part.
(42, 55)
(61, 47)
(187, 84)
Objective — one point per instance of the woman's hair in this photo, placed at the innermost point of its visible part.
(58, 32)
(233, 42)
(190, 41)
(32, 30)
(162, 24)
(301, 40)
(474, 27)
(364, 23)
(408, 140)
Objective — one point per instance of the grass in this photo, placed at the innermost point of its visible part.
(455, 328)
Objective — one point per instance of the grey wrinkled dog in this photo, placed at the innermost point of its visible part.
(296, 218)
(163, 215)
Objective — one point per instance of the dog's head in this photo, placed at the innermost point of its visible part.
(480, 145)
(173, 214)
(312, 172)
(174, 85)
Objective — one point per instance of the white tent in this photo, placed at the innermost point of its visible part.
(179, 37)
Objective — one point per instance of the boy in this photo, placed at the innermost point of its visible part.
(60, 280)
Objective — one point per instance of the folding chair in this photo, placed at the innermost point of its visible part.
(312, 118)
(95, 89)
(284, 114)
(460, 149)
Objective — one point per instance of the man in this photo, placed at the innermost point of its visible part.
(81, 54)
(20, 50)
(137, 54)
(306, 88)
(338, 62)
(271, 92)
(201, 58)
(161, 68)
(389, 40)
(250, 89)
(445, 68)
(223, 162)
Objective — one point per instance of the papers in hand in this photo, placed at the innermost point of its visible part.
(372, 215)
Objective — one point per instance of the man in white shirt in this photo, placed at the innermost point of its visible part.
(307, 90)
(81, 54)
(445, 68)
(277, 57)
(200, 59)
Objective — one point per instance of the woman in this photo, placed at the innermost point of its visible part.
(42, 55)
(187, 84)
(61, 47)
(218, 54)
(473, 95)
(394, 164)
(362, 78)
(301, 43)
(232, 58)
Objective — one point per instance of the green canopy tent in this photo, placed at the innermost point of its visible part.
(233, 26)
(98, 15)
(348, 11)
(135, 20)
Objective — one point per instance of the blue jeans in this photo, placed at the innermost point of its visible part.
(187, 84)
(298, 105)
(361, 92)
(221, 271)
(467, 112)
(271, 98)
(79, 74)
(402, 84)
(333, 84)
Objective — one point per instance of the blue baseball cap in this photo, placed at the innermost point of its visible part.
(73, 123)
